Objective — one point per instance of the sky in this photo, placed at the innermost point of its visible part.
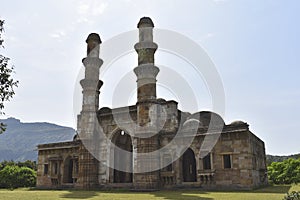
(254, 46)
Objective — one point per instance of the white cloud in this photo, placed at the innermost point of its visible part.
(207, 36)
(83, 8)
(93, 8)
(12, 38)
(57, 34)
(89, 9)
(219, 1)
(99, 8)
(82, 20)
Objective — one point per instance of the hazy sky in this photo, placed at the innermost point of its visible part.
(255, 46)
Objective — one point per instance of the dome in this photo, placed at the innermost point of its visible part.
(192, 123)
(237, 122)
(206, 118)
(104, 110)
(93, 36)
(161, 100)
(145, 22)
(191, 126)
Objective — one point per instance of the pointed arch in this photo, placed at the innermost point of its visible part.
(123, 141)
(68, 170)
(189, 166)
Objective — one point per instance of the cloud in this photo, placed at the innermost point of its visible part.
(207, 36)
(12, 38)
(88, 10)
(93, 8)
(82, 20)
(219, 1)
(57, 34)
(83, 8)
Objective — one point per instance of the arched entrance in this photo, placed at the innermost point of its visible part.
(68, 170)
(189, 166)
(122, 140)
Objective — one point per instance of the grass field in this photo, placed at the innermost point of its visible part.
(268, 193)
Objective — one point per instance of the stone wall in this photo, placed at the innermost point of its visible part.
(53, 164)
(246, 166)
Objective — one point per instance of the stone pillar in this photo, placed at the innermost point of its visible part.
(147, 111)
(87, 126)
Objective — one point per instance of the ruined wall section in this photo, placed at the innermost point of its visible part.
(53, 161)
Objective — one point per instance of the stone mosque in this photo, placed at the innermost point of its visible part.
(96, 159)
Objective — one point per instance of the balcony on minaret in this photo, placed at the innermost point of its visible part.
(146, 72)
(91, 83)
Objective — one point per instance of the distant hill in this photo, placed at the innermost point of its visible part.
(271, 158)
(19, 141)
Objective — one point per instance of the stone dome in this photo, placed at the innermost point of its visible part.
(94, 37)
(161, 100)
(145, 22)
(207, 117)
(191, 126)
(104, 110)
(237, 122)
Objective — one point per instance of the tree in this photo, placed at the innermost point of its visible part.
(5, 163)
(285, 172)
(7, 83)
(28, 163)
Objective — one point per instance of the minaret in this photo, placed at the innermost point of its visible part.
(146, 72)
(146, 140)
(87, 120)
(91, 83)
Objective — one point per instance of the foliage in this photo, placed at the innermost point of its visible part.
(274, 158)
(285, 172)
(17, 174)
(28, 163)
(12, 176)
(1, 30)
(292, 196)
(7, 83)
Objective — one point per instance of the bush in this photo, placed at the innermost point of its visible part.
(292, 196)
(14, 176)
(26, 177)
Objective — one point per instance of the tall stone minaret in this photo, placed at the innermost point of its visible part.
(146, 72)
(87, 120)
(147, 136)
(91, 83)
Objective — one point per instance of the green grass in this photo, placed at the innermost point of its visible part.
(271, 192)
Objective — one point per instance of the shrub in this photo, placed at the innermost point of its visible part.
(26, 177)
(14, 176)
(292, 196)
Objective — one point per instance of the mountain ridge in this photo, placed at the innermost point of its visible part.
(19, 141)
